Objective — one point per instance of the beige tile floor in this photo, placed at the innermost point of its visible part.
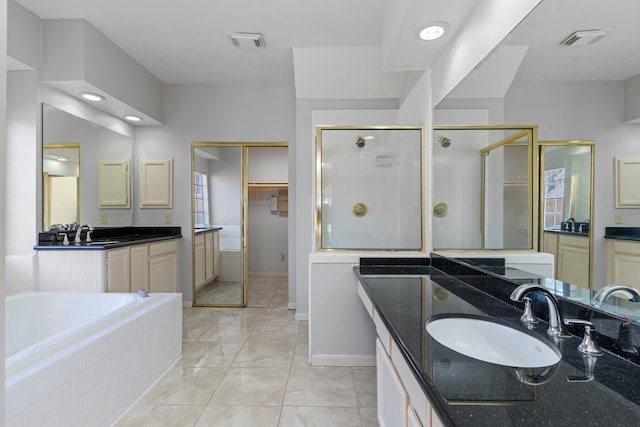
(248, 367)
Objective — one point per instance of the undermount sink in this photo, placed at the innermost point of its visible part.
(486, 340)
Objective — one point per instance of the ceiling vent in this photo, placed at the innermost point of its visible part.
(247, 40)
(580, 38)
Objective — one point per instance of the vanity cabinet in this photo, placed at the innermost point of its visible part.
(571, 257)
(206, 252)
(623, 262)
(139, 259)
(401, 400)
(119, 270)
(392, 399)
(199, 260)
(151, 266)
(163, 266)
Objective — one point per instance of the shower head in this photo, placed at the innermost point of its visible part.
(360, 142)
(444, 141)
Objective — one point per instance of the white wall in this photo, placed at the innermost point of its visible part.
(209, 113)
(21, 174)
(268, 231)
(584, 111)
(3, 115)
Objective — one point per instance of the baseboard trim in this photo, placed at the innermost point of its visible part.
(302, 316)
(342, 360)
(267, 274)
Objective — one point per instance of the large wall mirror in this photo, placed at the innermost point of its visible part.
(72, 147)
(483, 190)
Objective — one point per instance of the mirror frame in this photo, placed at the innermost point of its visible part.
(540, 153)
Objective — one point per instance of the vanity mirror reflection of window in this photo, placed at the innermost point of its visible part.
(61, 186)
(200, 199)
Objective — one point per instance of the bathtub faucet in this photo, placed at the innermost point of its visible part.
(78, 238)
(143, 293)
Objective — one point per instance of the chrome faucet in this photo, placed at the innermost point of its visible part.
(143, 293)
(78, 238)
(555, 320)
(632, 294)
(572, 224)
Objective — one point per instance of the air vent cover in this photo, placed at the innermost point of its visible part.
(580, 38)
(247, 40)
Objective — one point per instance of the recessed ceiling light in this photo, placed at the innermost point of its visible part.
(432, 30)
(133, 118)
(92, 97)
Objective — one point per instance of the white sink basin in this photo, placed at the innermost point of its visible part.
(492, 342)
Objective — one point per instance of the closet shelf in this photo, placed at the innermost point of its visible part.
(258, 186)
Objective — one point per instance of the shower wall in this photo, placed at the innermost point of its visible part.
(371, 189)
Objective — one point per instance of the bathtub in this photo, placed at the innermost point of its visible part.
(82, 359)
(230, 260)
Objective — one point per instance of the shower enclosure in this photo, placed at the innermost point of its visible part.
(369, 188)
(484, 188)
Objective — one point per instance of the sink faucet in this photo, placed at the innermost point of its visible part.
(555, 320)
(632, 294)
(78, 238)
(571, 224)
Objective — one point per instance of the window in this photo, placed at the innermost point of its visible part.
(553, 197)
(200, 199)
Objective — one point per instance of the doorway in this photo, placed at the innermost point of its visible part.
(239, 217)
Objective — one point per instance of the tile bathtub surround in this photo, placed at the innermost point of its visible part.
(93, 381)
(248, 367)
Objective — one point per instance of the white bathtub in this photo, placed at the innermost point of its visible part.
(230, 260)
(84, 359)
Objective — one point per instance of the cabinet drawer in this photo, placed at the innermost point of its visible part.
(161, 248)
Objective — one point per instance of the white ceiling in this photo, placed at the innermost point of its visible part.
(185, 41)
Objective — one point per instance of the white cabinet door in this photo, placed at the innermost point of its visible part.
(392, 399)
(156, 183)
(163, 266)
(623, 262)
(118, 270)
(139, 267)
(208, 256)
(113, 183)
(573, 260)
(199, 260)
(550, 243)
(216, 254)
(627, 176)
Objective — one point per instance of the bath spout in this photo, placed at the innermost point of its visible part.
(555, 320)
(601, 296)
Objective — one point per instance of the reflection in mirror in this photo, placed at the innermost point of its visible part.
(219, 276)
(95, 142)
(484, 176)
(60, 186)
(566, 211)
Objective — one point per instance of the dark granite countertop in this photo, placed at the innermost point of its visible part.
(571, 233)
(622, 233)
(107, 238)
(206, 229)
(469, 392)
